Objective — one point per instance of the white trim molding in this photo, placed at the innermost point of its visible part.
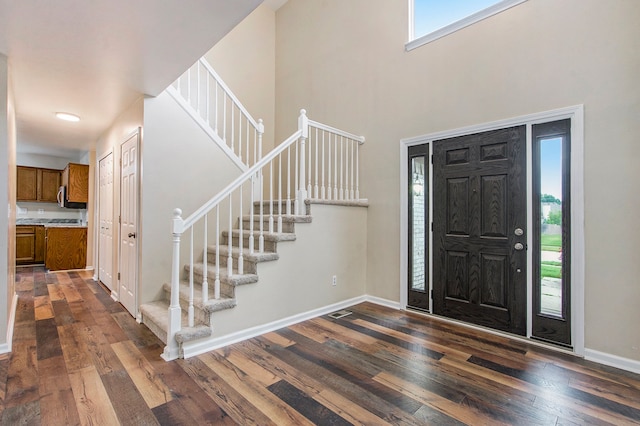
(612, 360)
(6, 347)
(576, 115)
(458, 25)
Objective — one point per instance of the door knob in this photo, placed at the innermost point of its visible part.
(518, 246)
(132, 234)
(519, 232)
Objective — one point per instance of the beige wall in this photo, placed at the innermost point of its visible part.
(126, 123)
(345, 63)
(7, 198)
(182, 168)
(245, 59)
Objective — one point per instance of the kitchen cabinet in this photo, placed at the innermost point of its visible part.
(25, 245)
(76, 178)
(30, 244)
(37, 184)
(66, 248)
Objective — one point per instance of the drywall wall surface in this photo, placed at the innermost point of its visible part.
(181, 168)
(346, 64)
(245, 60)
(301, 279)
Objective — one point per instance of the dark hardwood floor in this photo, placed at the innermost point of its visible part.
(79, 358)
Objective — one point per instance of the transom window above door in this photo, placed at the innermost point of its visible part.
(431, 19)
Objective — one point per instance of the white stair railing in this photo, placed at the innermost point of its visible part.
(329, 151)
(203, 94)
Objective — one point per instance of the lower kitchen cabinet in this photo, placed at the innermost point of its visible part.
(29, 244)
(66, 248)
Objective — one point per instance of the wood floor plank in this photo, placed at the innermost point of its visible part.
(55, 292)
(224, 395)
(27, 414)
(47, 337)
(311, 385)
(43, 307)
(103, 357)
(265, 401)
(252, 369)
(92, 399)
(57, 403)
(74, 347)
(129, 405)
(22, 378)
(154, 391)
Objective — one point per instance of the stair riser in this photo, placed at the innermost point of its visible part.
(249, 267)
(156, 329)
(226, 290)
(287, 227)
(270, 246)
(199, 315)
(276, 208)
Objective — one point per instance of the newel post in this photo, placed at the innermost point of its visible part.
(301, 194)
(171, 351)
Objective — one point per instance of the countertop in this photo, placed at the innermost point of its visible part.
(52, 223)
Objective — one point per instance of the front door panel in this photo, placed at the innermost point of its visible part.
(479, 229)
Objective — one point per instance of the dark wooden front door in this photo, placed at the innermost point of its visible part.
(479, 240)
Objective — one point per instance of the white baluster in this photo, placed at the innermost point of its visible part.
(189, 87)
(335, 167)
(224, 116)
(190, 311)
(316, 188)
(346, 169)
(205, 262)
(280, 193)
(229, 245)
(296, 195)
(198, 88)
(261, 237)
(303, 124)
(251, 236)
(207, 100)
(289, 180)
(216, 285)
(240, 115)
(357, 170)
(323, 193)
(309, 193)
(241, 238)
(329, 190)
(351, 191)
(271, 197)
(215, 115)
(341, 168)
(233, 129)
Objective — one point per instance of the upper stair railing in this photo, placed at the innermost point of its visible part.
(202, 93)
(317, 162)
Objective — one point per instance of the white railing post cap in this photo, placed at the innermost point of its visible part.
(177, 221)
(260, 125)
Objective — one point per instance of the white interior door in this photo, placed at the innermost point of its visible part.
(129, 224)
(105, 243)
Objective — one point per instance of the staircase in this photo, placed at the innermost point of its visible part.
(251, 216)
(155, 314)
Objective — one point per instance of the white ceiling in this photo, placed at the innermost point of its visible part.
(94, 58)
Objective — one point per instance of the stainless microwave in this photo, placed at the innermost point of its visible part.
(63, 202)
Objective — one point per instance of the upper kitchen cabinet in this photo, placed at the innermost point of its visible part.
(76, 178)
(37, 184)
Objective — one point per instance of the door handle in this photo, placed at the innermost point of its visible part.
(518, 246)
(132, 234)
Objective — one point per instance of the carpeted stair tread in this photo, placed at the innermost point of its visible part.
(235, 279)
(157, 313)
(294, 218)
(268, 236)
(249, 257)
(211, 305)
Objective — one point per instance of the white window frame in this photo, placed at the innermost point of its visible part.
(458, 25)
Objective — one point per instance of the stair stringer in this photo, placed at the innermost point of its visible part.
(300, 280)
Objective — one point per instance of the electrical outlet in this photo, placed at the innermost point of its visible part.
(334, 281)
(40, 211)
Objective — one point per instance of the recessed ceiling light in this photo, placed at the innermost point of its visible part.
(67, 117)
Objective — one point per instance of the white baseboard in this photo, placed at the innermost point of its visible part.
(612, 360)
(6, 347)
(383, 302)
(198, 348)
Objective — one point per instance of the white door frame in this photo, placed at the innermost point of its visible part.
(576, 115)
(99, 215)
(138, 134)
